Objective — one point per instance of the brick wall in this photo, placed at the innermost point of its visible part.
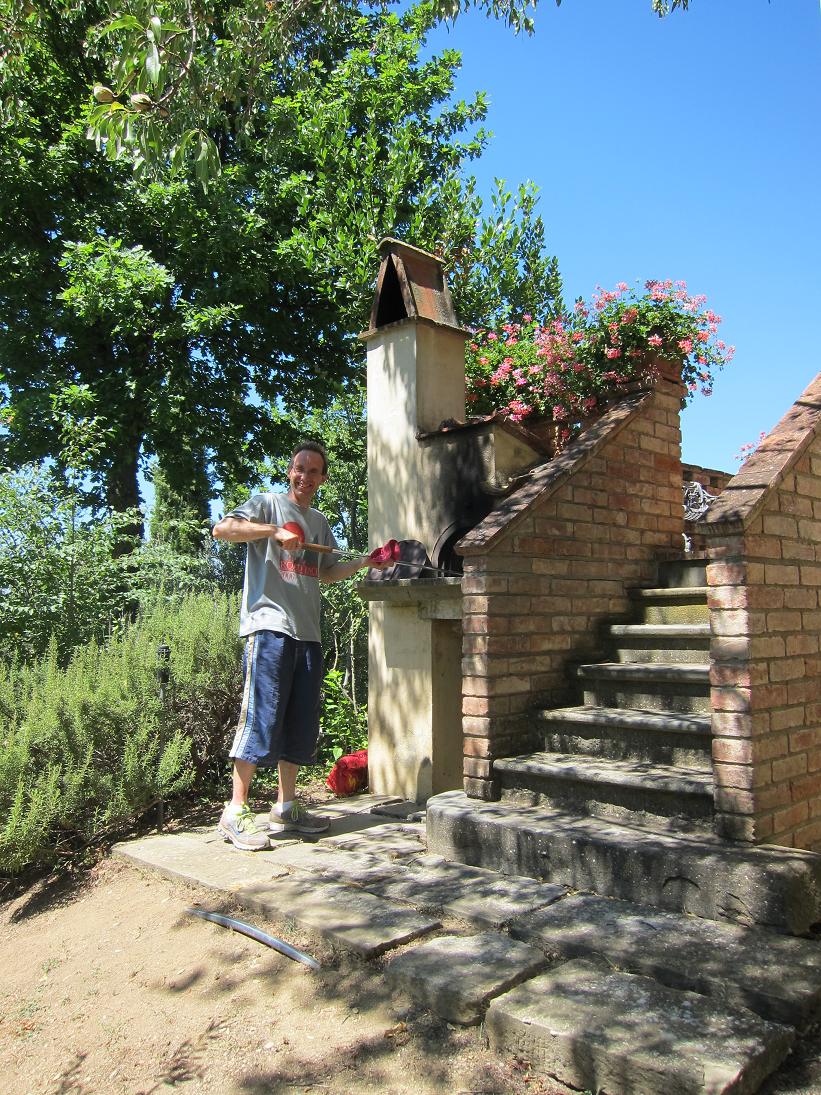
(763, 540)
(552, 564)
(711, 479)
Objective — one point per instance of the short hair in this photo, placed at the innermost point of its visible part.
(310, 446)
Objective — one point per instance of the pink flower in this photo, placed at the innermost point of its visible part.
(612, 352)
(654, 341)
(527, 318)
(492, 337)
(685, 345)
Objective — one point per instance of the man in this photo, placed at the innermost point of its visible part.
(279, 618)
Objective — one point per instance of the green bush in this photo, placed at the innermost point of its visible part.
(344, 728)
(89, 746)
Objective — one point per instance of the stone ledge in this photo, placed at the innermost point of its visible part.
(616, 1032)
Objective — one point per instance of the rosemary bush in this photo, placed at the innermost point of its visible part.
(89, 746)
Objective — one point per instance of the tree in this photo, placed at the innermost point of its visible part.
(180, 72)
(188, 313)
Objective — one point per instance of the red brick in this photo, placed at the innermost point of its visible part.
(789, 818)
(732, 750)
(740, 776)
(487, 790)
(730, 674)
(808, 836)
(478, 769)
(726, 574)
(484, 583)
(788, 718)
(476, 736)
(764, 749)
(786, 669)
(808, 786)
(764, 547)
(764, 597)
(734, 801)
(783, 621)
(729, 597)
(805, 691)
(802, 644)
(801, 598)
(770, 798)
(732, 723)
(779, 524)
(485, 705)
(730, 699)
(788, 767)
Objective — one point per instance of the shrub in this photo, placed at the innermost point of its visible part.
(89, 746)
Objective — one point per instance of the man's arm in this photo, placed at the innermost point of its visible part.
(238, 530)
(339, 571)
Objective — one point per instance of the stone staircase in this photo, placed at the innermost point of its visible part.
(638, 750)
(619, 802)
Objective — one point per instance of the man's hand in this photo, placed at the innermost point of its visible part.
(286, 539)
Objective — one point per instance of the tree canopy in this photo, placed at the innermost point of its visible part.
(181, 315)
(167, 74)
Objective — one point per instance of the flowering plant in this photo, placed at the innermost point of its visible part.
(567, 368)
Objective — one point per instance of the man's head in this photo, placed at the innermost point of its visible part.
(310, 446)
(307, 471)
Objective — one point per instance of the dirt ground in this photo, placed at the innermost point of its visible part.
(110, 986)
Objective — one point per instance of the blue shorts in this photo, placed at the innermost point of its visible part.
(279, 719)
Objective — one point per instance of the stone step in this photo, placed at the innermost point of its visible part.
(665, 643)
(680, 604)
(646, 685)
(600, 1030)
(777, 888)
(776, 976)
(615, 790)
(455, 976)
(621, 733)
(691, 571)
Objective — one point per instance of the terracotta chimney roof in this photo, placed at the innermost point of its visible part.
(411, 285)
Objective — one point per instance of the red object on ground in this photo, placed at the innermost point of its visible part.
(349, 774)
(388, 553)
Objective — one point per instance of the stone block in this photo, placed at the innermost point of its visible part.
(776, 976)
(456, 976)
(201, 859)
(708, 877)
(343, 915)
(617, 1032)
(389, 841)
(472, 894)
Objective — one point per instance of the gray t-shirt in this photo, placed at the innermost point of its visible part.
(281, 590)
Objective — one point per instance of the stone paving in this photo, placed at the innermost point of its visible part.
(595, 992)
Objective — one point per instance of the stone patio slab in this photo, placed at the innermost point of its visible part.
(626, 1034)
(456, 976)
(777, 976)
(352, 868)
(343, 915)
(391, 841)
(405, 809)
(472, 894)
(202, 859)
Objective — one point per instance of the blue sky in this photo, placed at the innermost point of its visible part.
(687, 147)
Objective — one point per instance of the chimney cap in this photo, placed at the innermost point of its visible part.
(411, 285)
